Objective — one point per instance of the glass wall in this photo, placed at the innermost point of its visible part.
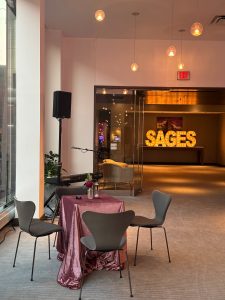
(118, 138)
(7, 103)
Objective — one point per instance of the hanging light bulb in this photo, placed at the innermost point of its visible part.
(134, 66)
(196, 29)
(99, 15)
(171, 51)
(181, 64)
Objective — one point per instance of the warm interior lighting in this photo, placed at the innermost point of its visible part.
(171, 138)
(104, 91)
(171, 51)
(171, 97)
(134, 66)
(125, 91)
(196, 29)
(100, 15)
(181, 64)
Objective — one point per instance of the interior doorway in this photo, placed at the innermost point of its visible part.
(119, 122)
(124, 116)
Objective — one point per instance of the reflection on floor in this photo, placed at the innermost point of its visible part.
(187, 180)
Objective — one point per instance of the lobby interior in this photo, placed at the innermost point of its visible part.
(112, 110)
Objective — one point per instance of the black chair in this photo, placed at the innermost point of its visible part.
(65, 191)
(62, 191)
(107, 235)
(161, 202)
(35, 228)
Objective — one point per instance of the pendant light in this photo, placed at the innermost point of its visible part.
(134, 66)
(99, 15)
(181, 64)
(171, 51)
(196, 27)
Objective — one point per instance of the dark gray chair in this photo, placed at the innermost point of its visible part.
(107, 235)
(161, 202)
(35, 228)
(62, 191)
(65, 191)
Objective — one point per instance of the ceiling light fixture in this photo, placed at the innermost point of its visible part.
(134, 66)
(196, 27)
(171, 51)
(99, 15)
(181, 64)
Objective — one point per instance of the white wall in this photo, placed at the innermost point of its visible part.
(30, 89)
(53, 65)
(89, 62)
(203, 59)
(78, 76)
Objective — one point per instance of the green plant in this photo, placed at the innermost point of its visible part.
(51, 164)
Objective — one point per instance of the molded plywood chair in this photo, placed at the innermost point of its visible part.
(35, 228)
(161, 202)
(107, 235)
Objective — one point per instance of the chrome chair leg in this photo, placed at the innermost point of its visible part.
(119, 264)
(82, 271)
(32, 271)
(49, 256)
(167, 246)
(18, 241)
(135, 257)
(128, 271)
(151, 237)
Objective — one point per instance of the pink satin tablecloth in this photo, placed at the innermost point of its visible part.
(71, 252)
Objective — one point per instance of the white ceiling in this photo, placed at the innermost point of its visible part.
(76, 18)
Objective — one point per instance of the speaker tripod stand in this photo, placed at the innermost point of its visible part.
(61, 110)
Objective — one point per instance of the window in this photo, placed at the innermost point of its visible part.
(7, 102)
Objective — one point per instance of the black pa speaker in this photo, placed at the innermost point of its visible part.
(61, 104)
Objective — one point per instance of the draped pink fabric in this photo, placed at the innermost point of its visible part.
(71, 252)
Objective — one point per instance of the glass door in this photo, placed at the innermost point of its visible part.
(118, 139)
(138, 140)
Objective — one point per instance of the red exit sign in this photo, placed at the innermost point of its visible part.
(183, 75)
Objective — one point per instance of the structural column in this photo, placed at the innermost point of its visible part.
(30, 29)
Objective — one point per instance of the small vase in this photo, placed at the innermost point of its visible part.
(90, 193)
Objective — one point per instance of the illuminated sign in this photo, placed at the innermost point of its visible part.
(170, 138)
(183, 75)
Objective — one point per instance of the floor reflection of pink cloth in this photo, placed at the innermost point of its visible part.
(71, 252)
